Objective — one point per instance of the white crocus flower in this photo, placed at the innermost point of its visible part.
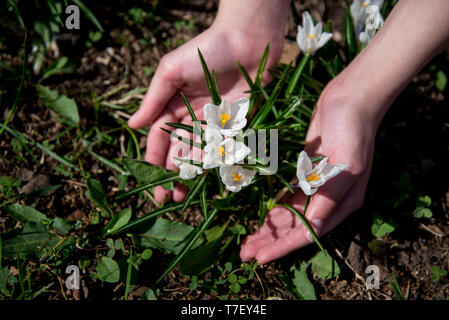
(310, 178)
(359, 12)
(310, 38)
(219, 152)
(187, 171)
(373, 23)
(228, 117)
(236, 177)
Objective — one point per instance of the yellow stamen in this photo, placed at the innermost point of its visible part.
(312, 177)
(365, 4)
(224, 118)
(236, 177)
(311, 36)
(221, 151)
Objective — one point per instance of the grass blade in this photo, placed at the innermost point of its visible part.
(89, 14)
(153, 214)
(350, 39)
(262, 65)
(189, 108)
(164, 179)
(185, 140)
(195, 189)
(22, 79)
(20, 138)
(191, 241)
(203, 203)
(285, 183)
(128, 272)
(262, 114)
(296, 75)
(181, 126)
(215, 83)
(210, 86)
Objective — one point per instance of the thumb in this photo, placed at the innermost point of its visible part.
(163, 86)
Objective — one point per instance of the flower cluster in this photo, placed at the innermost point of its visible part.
(310, 37)
(221, 150)
(367, 18)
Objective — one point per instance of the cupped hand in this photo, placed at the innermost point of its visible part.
(343, 131)
(181, 71)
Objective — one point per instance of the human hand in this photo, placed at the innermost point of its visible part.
(181, 71)
(342, 130)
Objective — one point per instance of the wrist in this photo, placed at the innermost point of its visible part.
(254, 18)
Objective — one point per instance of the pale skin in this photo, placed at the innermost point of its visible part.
(345, 120)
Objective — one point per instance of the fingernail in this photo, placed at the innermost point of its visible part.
(316, 225)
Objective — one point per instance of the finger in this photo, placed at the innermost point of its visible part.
(250, 250)
(279, 218)
(163, 86)
(181, 150)
(323, 203)
(180, 192)
(158, 143)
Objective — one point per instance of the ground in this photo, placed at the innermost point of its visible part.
(412, 142)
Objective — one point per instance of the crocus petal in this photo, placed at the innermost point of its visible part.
(211, 114)
(239, 109)
(307, 23)
(213, 135)
(304, 163)
(331, 170)
(324, 38)
(306, 188)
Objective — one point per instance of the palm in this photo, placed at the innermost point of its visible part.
(342, 137)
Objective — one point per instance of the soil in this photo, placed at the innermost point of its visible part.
(411, 139)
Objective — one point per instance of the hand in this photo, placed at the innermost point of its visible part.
(181, 71)
(341, 130)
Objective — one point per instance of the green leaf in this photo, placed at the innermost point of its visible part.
(440, 80)
(300, 285)
(422, 212)
(146, 254)
(200, 259)
(436, 273)
(61, 104)
(62, 226)
(382, 229)
(423, 200)
(32, 240)
(166, 235)
(323, 266)
(58, 67)
(97, 194)
(190, 242)
(118, 221)
(148, 173)
(108, 270)
(25, 214)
